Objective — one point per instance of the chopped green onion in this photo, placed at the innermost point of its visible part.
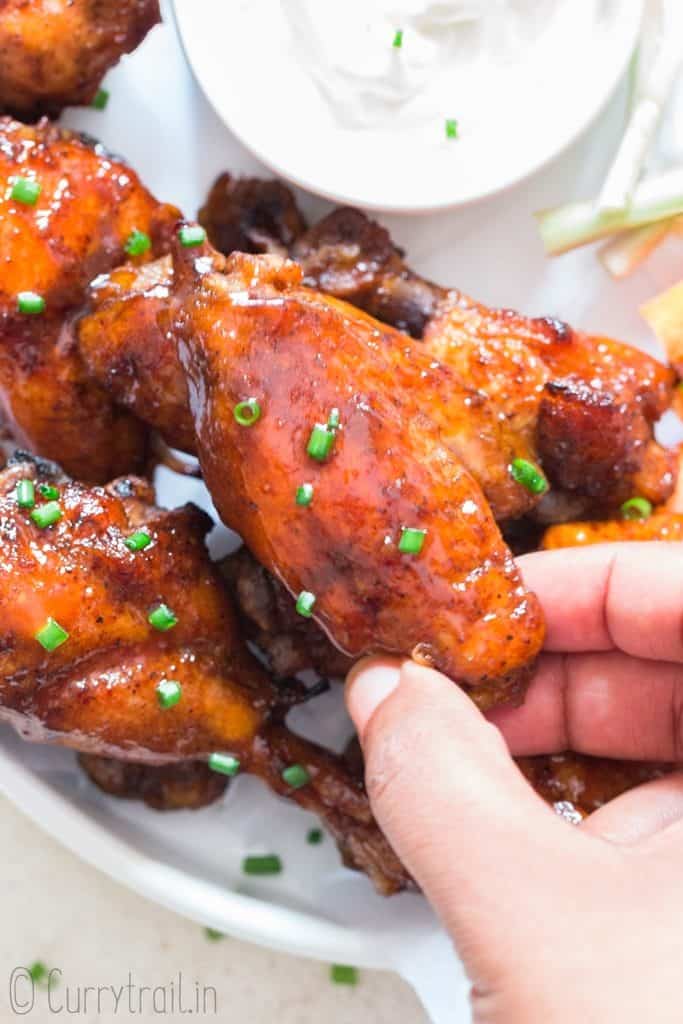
(314, 837)
(26, 191)
(342, 974)
(411, 540)
(296, 776)
(30, 302)
(138, 540)
(213, 935)
(304, 603)
(101, 99)
(224, 764)
(304, 494)
(51, 636)
(636, 508)
(247, 413)
(192, 235)
(162, 618)
(138, 242)
(398, 39)
(48, 491)
(169, 693)
(321, 442)
(451, 128)
(38, 972)
(269, 864)
(26, 494)
(529, 476)
(333, 419)
(47, 514)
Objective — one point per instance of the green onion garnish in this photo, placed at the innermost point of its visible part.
(30, 302)
(296, 776)
(398, 39)
(26, 494)
(192, 235)
(47, 514)
(168, 693)
(26, 191)
(451, 128)
(247, 413)
(137, 243)
(314, 836)
(213, 935)
(269, 864)
(321, 442)
(51, 636)
(48, 491)
(411, 540)
(636, 508)
(529, 476)
(224, 764)
(162, 618)
(38, 972)
(304, 494)
(304, 603)
(341, 974)
(101, 99)
(138, 540)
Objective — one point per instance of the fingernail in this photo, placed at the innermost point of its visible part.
(368, 685)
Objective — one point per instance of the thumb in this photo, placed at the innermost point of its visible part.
(484, 847)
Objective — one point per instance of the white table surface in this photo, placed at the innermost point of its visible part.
(58, 910)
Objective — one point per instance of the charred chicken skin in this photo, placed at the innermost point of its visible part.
(77, 227)
(54, 53)
(457, 601)
(88, 631)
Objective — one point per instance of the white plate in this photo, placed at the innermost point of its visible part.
(190, 861)
(245, 63)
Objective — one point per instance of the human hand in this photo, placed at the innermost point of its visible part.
(554, 923)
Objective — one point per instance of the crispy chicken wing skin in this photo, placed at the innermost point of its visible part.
(126, 351)
(97, 690)
(179, 786)
(87, 208)
(54, 53)
(251, 215)
(584, 406)
(255, 332)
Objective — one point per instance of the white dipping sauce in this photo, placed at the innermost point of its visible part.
(473, 61)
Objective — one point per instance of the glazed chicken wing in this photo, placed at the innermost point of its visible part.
(54, 53)
(582, 406)
(397, 550)
(76, 227)
(103, 598)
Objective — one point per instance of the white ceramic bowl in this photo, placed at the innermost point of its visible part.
(246, 67)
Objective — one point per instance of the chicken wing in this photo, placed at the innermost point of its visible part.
(251, 215)
(54, 53)
(581, 406)
(577, 784)
(456, 600)
(104, 597)
(74, 225)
